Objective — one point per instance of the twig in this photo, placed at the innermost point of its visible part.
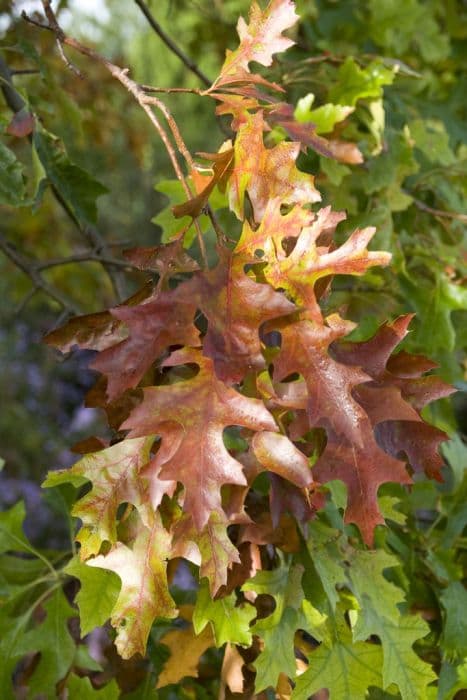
(220, 235)
(190, 91)
(25, 71)
(186, 60)
(29, 267)
(437, 212)
(86, 257)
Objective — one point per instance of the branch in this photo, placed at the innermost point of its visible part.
(186, 60)
(121, 74)
(86, 257)
(437, 212)
(32, 270)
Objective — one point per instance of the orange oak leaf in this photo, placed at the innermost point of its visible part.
(266, 172)
(275, 227)
(144, 595)
(308, 262)
(260, 39)
(203, 406)
(235, 307)
(153, 327)
(222, 163)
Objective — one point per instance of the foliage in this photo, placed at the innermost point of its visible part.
(283, 451)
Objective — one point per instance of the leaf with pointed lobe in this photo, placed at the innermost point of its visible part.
(54, 642)
(115, 476)
(418, 440)
(330, 402)
(213, 551)
(144, 594)
(230, 622)
(81, 688)
(235, 306)
(260, 39)
(153, 327)
(266, 172)
(373, 355)
(97, 595)
(273, 229)
(282, 114)
(278, 629)
(363, 470)
(308, 262)
(345, 669)
(203, 406)
(406, 365)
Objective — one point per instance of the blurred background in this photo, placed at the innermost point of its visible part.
(410, 128)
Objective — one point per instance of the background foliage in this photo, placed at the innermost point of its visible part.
(386, 76)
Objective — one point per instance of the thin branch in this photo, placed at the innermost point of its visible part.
(29, 267)
(438, 212)
(186, 60)
(25, 71)
(190, 91)
(86, 257)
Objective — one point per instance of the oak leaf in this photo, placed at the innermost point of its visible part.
(330, 403)
(203, 406)
(235, 306)
(266, 172)
(115, 474)
(186, 650)
(144, 594)
(260, 39)
(153, 327)
(308, 262)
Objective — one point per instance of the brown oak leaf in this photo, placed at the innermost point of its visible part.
(203, 406)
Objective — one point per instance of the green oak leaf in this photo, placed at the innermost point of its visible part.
(355, 83)
(277, 630)
(379, 615)
(324, 117)
(55, 643)
(75, 186)
(344, 668)
(97, 595)
(454, 637)
(323, 547)
(230, 622)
